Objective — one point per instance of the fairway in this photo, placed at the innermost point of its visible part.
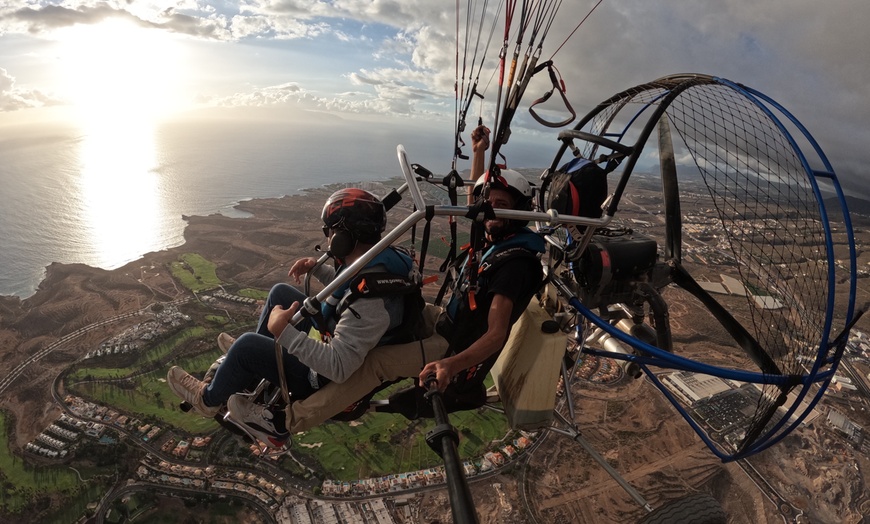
(21, 482)
(381, 443)
(195, 272)
(142, 393)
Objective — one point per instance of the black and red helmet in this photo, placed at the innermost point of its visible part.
(356, 211)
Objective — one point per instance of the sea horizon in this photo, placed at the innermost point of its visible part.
(105, 200)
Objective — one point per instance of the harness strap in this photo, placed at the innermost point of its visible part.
(557, 85)
(453, 181)
(424, 242)
(279, 356)
(450, 276)
(477, 242)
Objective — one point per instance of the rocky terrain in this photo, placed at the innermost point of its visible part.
(629, 423)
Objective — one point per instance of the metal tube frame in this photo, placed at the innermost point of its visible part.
(551, 218)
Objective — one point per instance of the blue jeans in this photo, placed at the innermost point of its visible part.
(252, 357)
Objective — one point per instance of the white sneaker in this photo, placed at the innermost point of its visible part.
(225, 340)
(258, 420)
(190, 389)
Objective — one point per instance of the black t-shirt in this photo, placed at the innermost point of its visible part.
(517, 278)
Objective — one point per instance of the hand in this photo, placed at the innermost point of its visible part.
(279, 318)
(301, 267)
(480, 139)
(443, 373)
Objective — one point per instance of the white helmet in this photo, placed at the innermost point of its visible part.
(510, 180)
(515, 184)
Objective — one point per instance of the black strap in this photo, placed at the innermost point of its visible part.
(426, 174)
(449, 278)
(452, 181)
(392, 198)
(478, 238)
(424, 243)
(279, 357)
(557, 85)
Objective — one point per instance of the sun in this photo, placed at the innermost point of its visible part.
(121, 80)
(117, 71)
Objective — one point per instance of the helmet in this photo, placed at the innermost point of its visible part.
(512, 181)
(358, 212)
(515, 184)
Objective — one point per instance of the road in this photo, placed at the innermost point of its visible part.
(116, 493)
(36, 357)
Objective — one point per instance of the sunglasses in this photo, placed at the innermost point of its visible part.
(328, 229)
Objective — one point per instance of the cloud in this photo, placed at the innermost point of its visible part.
(396, 13)
(805, 54)
(392, 49)
(283, 94)
(30, 20)
(394, 93)
(387, 98)
(51, 17)
(13, 99)
(359, 79)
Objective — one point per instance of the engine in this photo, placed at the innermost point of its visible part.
(612, 264)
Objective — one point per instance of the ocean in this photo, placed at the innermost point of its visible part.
(107, 198)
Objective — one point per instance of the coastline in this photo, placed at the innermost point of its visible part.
(241, 208)
(254, 251)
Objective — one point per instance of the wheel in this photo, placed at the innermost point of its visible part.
(697, 508)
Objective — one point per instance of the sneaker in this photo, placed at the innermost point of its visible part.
(225, 340)
(189, 389)
(260, 421)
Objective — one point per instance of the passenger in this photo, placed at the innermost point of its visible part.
(353, 222)
(510, 277)
(477, 322)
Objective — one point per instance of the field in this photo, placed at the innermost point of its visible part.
(383, 443)
(140, 388)
(195, 272)
(24, 483)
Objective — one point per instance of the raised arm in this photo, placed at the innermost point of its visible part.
(479, 145)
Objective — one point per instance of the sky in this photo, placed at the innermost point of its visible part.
(97, 62)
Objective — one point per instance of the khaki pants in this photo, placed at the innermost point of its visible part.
(382, 364)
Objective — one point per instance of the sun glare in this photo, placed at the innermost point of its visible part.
(119, 196)
(121, 79)
(119, 74)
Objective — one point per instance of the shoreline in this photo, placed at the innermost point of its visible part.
(251, 249)
(250, 252)
(254, 252)
(243, 209)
